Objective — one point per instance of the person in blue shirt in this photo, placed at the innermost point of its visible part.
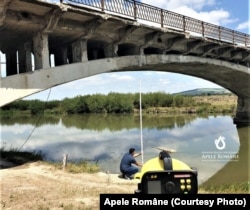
(127, 164)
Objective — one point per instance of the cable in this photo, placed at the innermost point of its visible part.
(35, 123)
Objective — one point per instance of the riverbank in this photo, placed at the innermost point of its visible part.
(40, 185)
(44, 186)
(151, 104)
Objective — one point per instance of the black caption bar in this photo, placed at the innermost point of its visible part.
(163, 201)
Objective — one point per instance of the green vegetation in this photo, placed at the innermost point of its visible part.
(17, 157)
(158, 102)
(206, 92)
(78, 167)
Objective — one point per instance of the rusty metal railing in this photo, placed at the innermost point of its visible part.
(140, 11)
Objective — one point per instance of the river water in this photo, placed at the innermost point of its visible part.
(212, 144)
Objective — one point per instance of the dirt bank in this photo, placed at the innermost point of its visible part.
(40, 186)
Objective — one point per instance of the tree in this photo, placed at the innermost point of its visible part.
(96, 103)
(36, 107)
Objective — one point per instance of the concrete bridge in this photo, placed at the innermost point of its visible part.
(84, 38)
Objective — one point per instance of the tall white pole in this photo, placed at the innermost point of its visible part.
(141, 127)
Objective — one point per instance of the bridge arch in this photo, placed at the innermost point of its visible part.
(219, 72)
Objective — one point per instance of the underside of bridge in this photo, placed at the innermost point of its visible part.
(85, 41)
(222, 73)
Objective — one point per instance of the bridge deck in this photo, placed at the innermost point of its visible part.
(94, 34)
(66, 22)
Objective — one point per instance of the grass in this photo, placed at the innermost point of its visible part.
(78, 167)
(21, 157)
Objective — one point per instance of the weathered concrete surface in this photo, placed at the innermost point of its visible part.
(219, 72)
(43, 28)
(87, 41)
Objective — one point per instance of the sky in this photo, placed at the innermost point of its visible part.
(231, 14)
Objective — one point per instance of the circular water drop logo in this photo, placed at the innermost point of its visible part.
(220, 143)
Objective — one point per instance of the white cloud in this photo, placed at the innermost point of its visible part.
(122, 77)
(195, 9)
(174, 4)
(244, 25)
(217, 17)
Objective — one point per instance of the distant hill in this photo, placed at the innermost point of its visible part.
(204, 91)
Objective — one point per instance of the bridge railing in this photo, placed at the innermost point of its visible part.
(140, 11)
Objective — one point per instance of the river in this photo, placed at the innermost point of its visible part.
(213, 144)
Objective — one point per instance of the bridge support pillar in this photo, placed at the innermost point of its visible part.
(79, 51)
(243, 111)
(24, 55)
(41, 51)
(142, 57)
(110, 50)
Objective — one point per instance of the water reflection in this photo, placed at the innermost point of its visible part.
(236, 171)
(104, 139)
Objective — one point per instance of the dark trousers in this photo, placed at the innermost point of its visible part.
(130, 171)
